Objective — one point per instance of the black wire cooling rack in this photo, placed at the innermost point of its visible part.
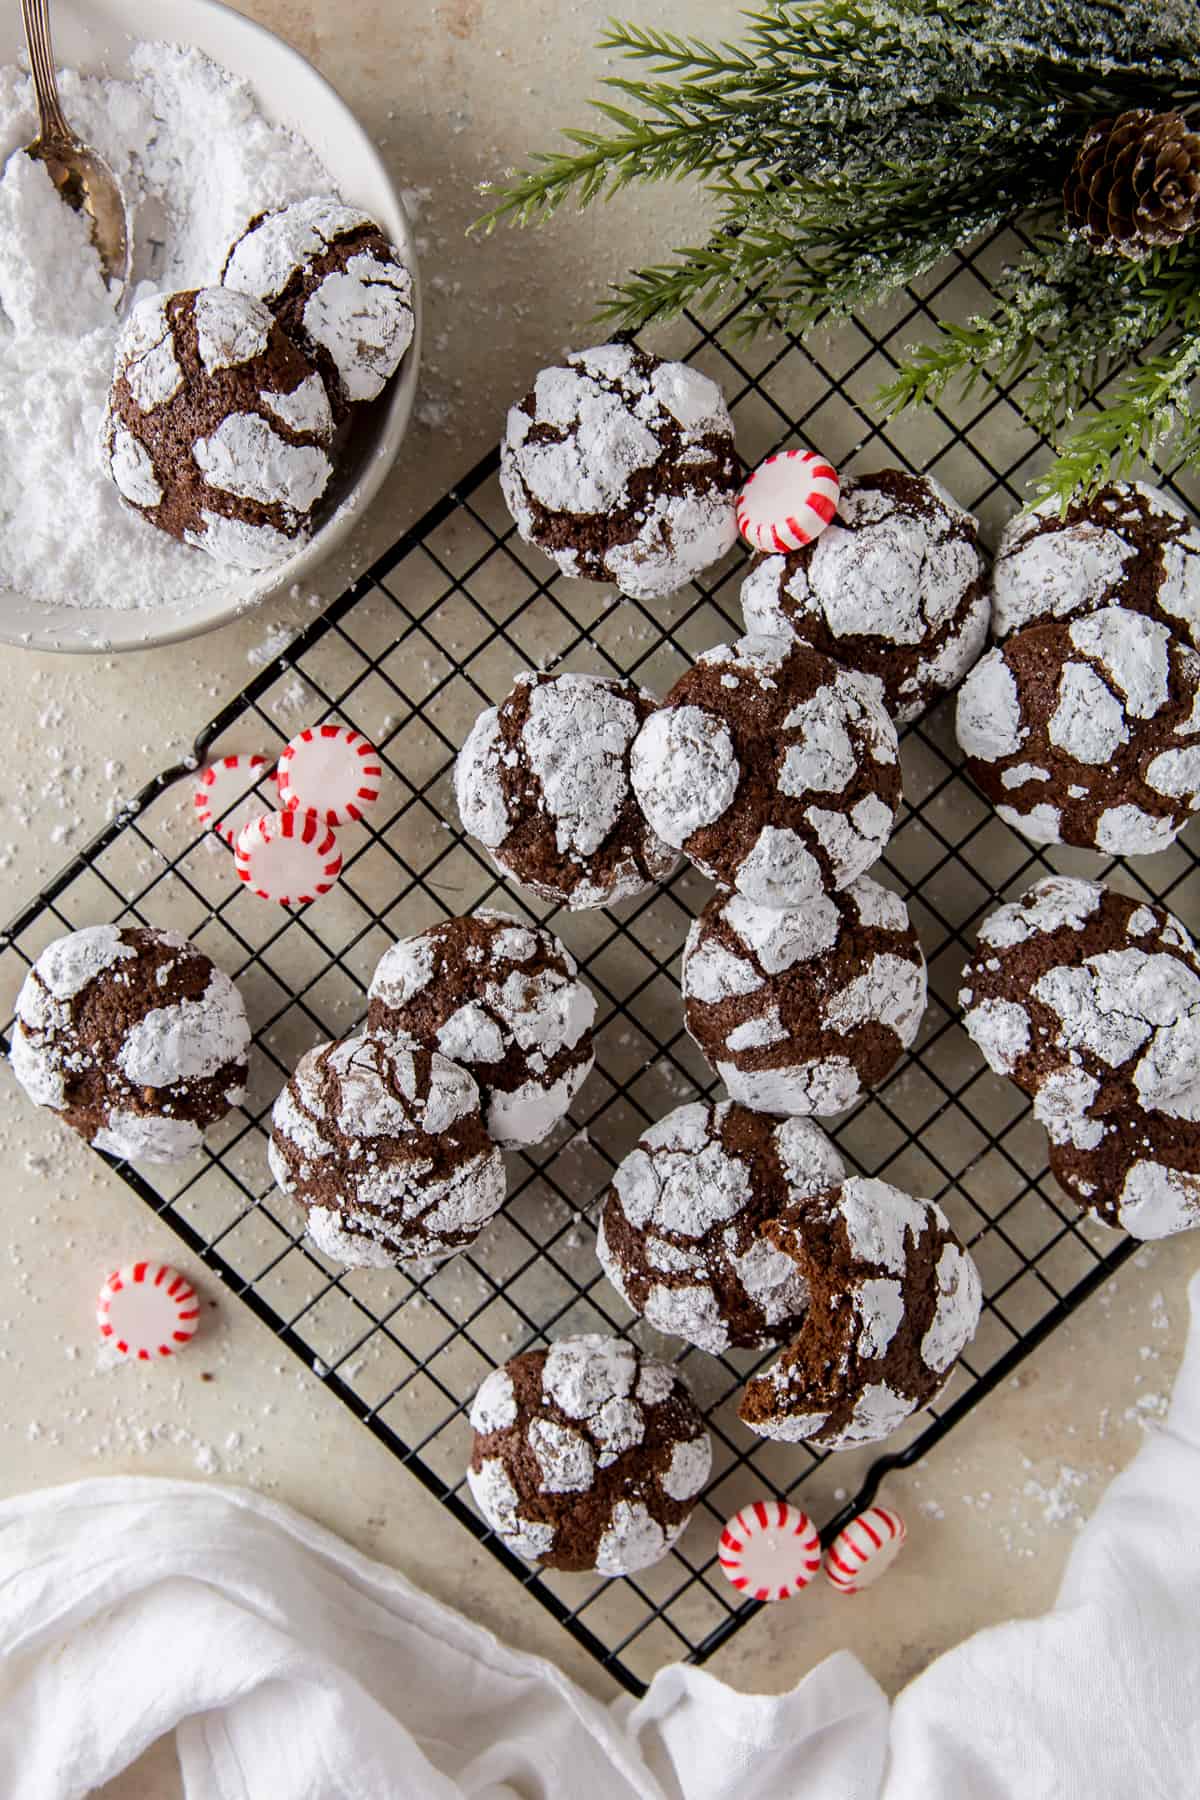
(408, 655)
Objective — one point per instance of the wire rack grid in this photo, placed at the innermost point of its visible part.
(408, 655)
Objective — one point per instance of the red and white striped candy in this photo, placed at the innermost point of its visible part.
(865, 1550)
(147, 1310)
(332, 771)
(788, 501)
(220, 786)
(770, 1550)
(288, 856)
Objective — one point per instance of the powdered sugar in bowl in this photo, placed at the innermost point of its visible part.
(251, 128)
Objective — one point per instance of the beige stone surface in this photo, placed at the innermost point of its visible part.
(455, 93)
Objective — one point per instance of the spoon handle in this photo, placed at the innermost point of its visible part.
(35, 15)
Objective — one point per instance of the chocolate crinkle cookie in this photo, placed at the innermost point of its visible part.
(622, 468)
(1143, 1173)
(801, 1011)
(1130, 545)
(336, 285)
(894, 1299)
(588, 1455)
(894, 587)
(134, 1038)
(1089, 1001)
(218, 427)
(543, 782)
(1087, 732)
(385, 1148)
(682, 1235)
(504, 999)
(776, 772)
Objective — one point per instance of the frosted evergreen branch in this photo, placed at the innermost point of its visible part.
(1153, 403)
(849, 145)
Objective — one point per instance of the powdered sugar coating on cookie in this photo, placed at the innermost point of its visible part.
(1130, 545)
(385, 1148)
(1140, 1169)
(801, 1011)
(543, 781)
(622, 468)
(337, 286)
(892, 587)
(1087, 999)
(1087, 732)
(681, 1235)
(134, 1037)
(772, 769)
(218, 430)
(894, 1299)
(588, 1455)
(505, 999)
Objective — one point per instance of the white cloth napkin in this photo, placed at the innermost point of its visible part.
(292, 1668)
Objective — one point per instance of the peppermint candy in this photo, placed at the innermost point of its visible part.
(788, 501)
(147, 1310)
(865, 1550)
(332, 771)
(769, 1550)
(290, 857)
(220, 786)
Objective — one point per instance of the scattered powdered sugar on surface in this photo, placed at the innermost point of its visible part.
(180, 131)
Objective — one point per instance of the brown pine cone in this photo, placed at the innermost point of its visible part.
(1135, 185)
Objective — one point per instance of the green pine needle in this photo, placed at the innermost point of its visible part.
(850, 145)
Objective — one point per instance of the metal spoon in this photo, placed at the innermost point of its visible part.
(80, 174)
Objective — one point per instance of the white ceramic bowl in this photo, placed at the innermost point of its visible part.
(94, 37)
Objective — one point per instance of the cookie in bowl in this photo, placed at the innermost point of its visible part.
(219, 430)
(336, 285)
